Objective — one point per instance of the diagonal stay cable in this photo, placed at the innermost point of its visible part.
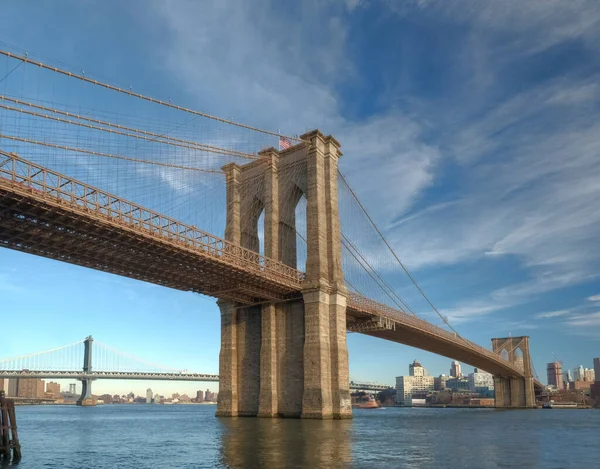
(9, 73)
(397, 258)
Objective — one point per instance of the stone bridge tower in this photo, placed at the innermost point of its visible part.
(514, 391)
(287, 358)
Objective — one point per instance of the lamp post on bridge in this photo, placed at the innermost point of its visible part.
(86, 399)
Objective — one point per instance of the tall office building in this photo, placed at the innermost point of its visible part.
(148, 396)
(416, 381)
(597, 368)
(72, 388)
(199, 396)
(455, 370)
(579, 373)
(589, 375)
(554, 373)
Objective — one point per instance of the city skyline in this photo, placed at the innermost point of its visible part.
(522, 267)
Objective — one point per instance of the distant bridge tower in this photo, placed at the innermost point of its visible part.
(86, 398)
(287, 358)
(514, 391)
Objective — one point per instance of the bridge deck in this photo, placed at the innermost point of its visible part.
(48, 214)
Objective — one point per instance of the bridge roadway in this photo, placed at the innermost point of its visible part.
(93, 375)
(46, 213)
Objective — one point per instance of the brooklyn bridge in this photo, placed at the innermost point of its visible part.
(81, 183)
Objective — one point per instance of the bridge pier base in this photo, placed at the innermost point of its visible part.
(86, 399)
(514, 392)
(294, 365)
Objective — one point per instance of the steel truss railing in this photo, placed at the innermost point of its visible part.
(49, 184)
(362, 304)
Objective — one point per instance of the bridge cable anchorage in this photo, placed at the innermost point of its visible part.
(123, 130)
(144, 97)
(109, 155)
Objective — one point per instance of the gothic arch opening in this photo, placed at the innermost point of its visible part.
(518, 358)
(251, 211)
(504, 354)
(292, 227)
(301, 248)
(261, 233)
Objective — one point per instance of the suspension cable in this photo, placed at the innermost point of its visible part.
(395, 256)
(171, 140)
(40, 353)
(346, 242)
(144, 97)
(109, 155)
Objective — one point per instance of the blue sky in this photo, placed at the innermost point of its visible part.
(469, 130)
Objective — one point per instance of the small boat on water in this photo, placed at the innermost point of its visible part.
(369, 403)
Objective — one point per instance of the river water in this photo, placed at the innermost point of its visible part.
(146, 436)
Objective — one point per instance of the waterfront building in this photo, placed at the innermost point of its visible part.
(72, 388)
(439, 382)
(597, 369)
(416, 369)
(458, 384)
(416, 382)
(595, 393)
(53, 388)
(199, 396)
(554, 374)
(27, 388)
(148, 396)
(455, 369)
(481, 382)
(12, 388)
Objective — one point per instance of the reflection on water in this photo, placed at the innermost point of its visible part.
(190, 437)
(274, 443)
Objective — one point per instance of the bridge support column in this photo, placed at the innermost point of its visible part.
(269, 376)
(287, 358)
(514, 391)
(87, 399)
(316, 400)
(340, 377)
(227, 405)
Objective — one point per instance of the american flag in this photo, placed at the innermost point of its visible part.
(284, 143)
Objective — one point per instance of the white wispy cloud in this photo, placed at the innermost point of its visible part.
(586, 320)
(594, 298)
(552, 314)
(526, 161)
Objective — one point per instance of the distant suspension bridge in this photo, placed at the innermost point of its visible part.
(101, 361)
